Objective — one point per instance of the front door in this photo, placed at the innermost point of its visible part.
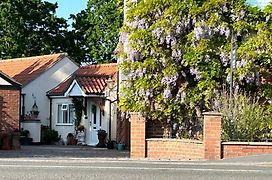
(94, 125)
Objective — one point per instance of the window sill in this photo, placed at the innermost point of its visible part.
(64, 124)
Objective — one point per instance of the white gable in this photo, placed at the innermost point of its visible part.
(74, 90)
(4, 82)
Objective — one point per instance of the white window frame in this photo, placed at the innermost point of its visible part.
(67, 109)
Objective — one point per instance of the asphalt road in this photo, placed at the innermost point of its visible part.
(98, 168)
(75, 162)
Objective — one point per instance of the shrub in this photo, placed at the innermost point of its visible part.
(25, 133)
(244, 118)
(50, 136)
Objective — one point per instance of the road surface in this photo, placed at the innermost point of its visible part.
(100, 168)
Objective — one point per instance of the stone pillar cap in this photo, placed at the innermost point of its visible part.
(212, 113)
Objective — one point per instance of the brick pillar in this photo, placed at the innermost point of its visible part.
(137, 136)
(212, 135)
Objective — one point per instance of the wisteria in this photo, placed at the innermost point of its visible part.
(250, 78)
(195, 72)
(170, 80)
(207, 31)
(167, 94)
(180, 97)
(176, 54)
(241, 63)
(239, 16)
(139, 23)
(123, 37)
(225, 59)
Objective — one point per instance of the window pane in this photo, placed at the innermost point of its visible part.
(59, 120)
(94, 113)
(65, 116)
(71, 113)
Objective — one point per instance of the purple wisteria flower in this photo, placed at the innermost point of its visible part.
(224, 8)
(180, 97)
(250, 78)
(139, 23)
(134, 55)
(123, 37)
(176, 54)
(199, 33)
(157, 32)
(224, 59)
(195, 72)
(170, 80)
(167, 94)
(241, 63)
(207, 31)
(131, 75)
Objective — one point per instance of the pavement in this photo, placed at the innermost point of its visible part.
(60, 151)
(88, 152)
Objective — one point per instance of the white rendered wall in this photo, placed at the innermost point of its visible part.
(37, 88)
(62, 129)
(34, 128)
(4, 82)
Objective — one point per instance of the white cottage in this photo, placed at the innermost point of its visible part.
(38, 75)
(95, 87)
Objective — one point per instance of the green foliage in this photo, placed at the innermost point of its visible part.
(80, 127)
(24, 133)
(105, 18)
(79, 108)
(177, 54)
(50, 136)
(78, 47)
(244, 118)
(29, 28)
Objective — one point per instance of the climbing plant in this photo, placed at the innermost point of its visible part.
(176, 54)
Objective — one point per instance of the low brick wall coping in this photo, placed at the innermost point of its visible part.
(176, 140)
(212, 113)
(248, 143)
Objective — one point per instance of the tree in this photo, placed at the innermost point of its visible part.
(177, 54)
(78, 47)
(105, 18)
(29, 28)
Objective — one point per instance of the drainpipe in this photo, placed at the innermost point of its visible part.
(23, 106)
(50, 112)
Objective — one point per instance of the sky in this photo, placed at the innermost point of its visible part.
(260, 3)
(67, 7)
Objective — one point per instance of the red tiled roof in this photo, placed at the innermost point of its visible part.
(9, 79)
(24, 70)
(92, 79)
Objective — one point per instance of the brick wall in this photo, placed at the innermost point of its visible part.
(174, 149)
(235, 149)
(9, 109)
(137, 137)
(212, 135)
(162, 148)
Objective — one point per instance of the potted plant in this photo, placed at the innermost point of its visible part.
(80, 128)
(24, 137)
(71, 140)
(80, 136)
(102, 135)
